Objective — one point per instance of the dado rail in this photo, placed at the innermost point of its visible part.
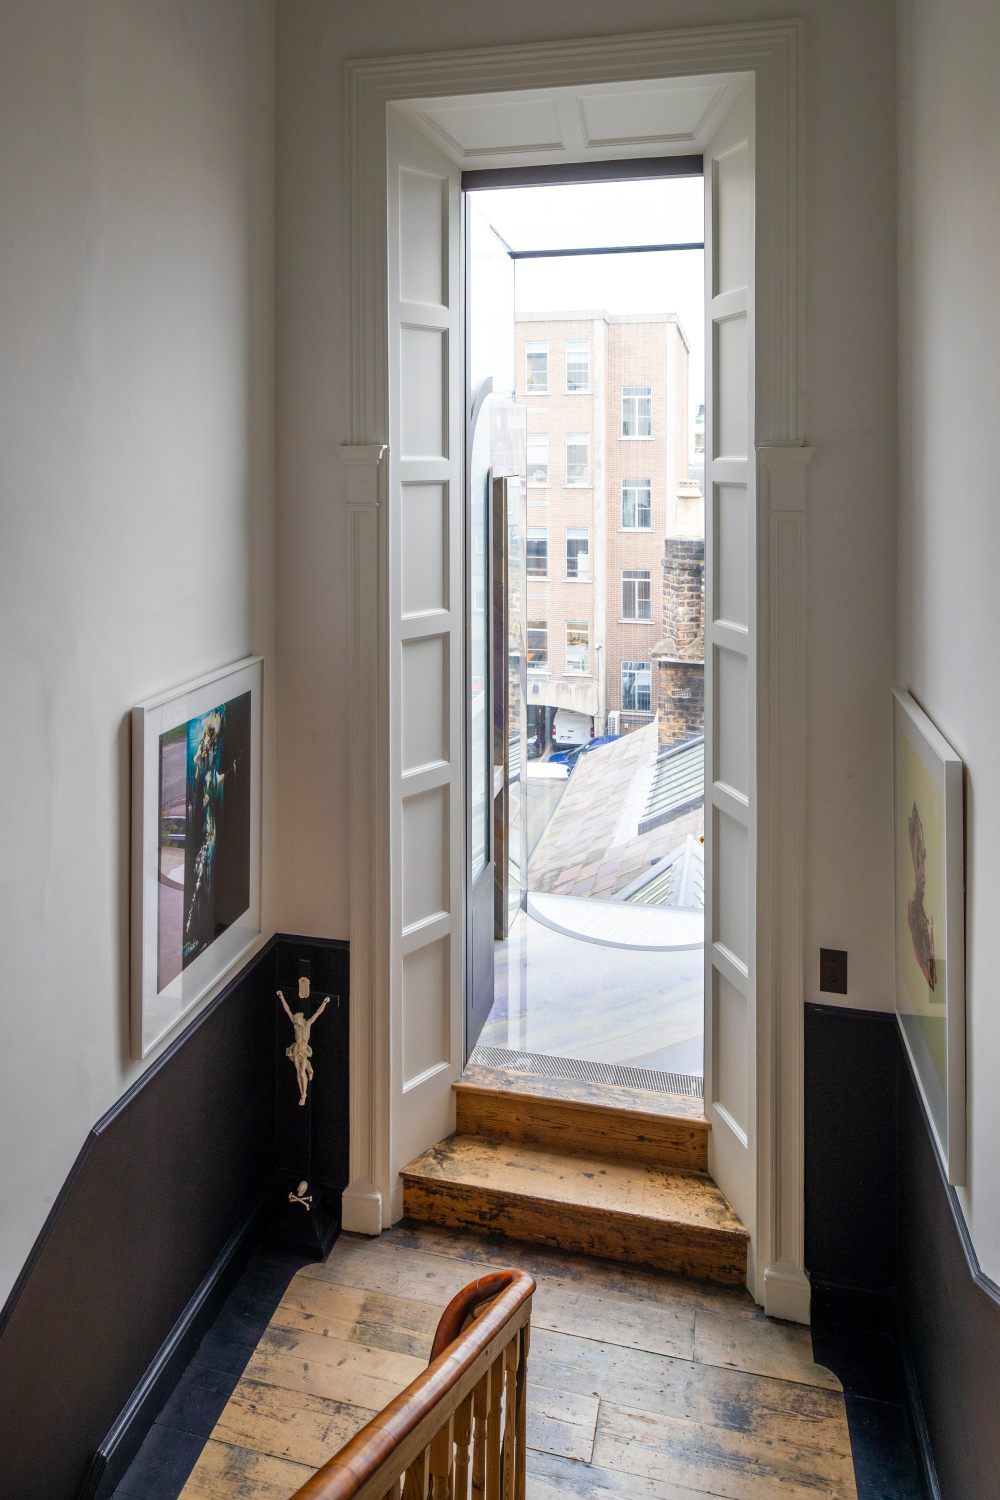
(461, 1422)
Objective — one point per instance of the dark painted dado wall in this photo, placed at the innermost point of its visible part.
(949, 1312)
(850, 1115)
(887, 1244)
(170, 1188)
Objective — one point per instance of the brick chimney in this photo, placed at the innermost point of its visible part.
(679, 656)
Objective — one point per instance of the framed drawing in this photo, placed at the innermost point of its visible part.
(196, 810)
(929, 913)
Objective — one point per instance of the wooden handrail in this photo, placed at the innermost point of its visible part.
(470, 1367)
(464, 1305)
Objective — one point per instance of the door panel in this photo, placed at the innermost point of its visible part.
(426, 642)
(731, 611)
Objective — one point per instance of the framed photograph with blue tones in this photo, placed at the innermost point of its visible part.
(929, 918)
(196, 840)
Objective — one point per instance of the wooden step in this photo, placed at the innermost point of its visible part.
(586, 1091)
(626, 1211)
(582, 1125)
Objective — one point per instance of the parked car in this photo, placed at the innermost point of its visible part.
(571, 730)
(569, 758)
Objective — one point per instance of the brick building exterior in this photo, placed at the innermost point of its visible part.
(608, 452)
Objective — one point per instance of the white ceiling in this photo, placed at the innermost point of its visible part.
(593, 122)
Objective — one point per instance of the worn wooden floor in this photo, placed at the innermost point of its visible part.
(640, 1387)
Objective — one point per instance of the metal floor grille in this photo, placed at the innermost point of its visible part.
(590, 1072)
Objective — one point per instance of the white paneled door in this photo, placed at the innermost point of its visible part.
(730, 660)
(426, 628)
(426, 608)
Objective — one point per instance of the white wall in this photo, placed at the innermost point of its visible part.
(949, 546)
(136, 483)
(135, 468)
(850, 417)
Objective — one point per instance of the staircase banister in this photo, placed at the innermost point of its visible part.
(371, 1462)
(465, 1304)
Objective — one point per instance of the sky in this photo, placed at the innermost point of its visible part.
(657, 211)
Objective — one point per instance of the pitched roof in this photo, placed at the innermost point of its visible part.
(678, 880)
(678, 783)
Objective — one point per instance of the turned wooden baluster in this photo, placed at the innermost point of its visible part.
(463, 1434)
(480, 1413)
(442, 1454)
(417, 1478)
(520, 1462)
(494, 1431)
(510, 1363)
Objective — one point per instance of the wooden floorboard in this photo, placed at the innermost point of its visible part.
(284, 1424)
(667, 1328)
(627, 1304)
(551, 1478)
(718, 1458)
(641, 1386)
(225, 1472)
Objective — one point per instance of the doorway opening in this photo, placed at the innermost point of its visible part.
(586, 614)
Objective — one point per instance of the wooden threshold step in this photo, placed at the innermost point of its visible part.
(588, 1126)
(596, 1205)
(586, 1091)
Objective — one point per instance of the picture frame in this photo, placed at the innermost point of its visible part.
(196, 843)
(929, 920)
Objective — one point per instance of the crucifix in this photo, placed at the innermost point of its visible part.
(303, 1166)
(300, 1053)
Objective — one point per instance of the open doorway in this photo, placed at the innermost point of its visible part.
(586, 589)
(420, 878)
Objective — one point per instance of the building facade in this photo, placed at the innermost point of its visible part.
(608, 455)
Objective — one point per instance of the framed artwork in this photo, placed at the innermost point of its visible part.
(929, 914)
(196, 820)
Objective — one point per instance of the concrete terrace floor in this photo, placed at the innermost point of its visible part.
(563, 997)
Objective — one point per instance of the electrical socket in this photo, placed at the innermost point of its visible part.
(833, 971)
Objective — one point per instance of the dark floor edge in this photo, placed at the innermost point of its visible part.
(918, 1417)
(844, 1310)
(126, 1435)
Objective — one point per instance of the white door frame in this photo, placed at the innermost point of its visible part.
(772, 51)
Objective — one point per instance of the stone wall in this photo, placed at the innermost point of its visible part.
(679, 657)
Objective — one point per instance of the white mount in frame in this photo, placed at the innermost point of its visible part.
(196, 843)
